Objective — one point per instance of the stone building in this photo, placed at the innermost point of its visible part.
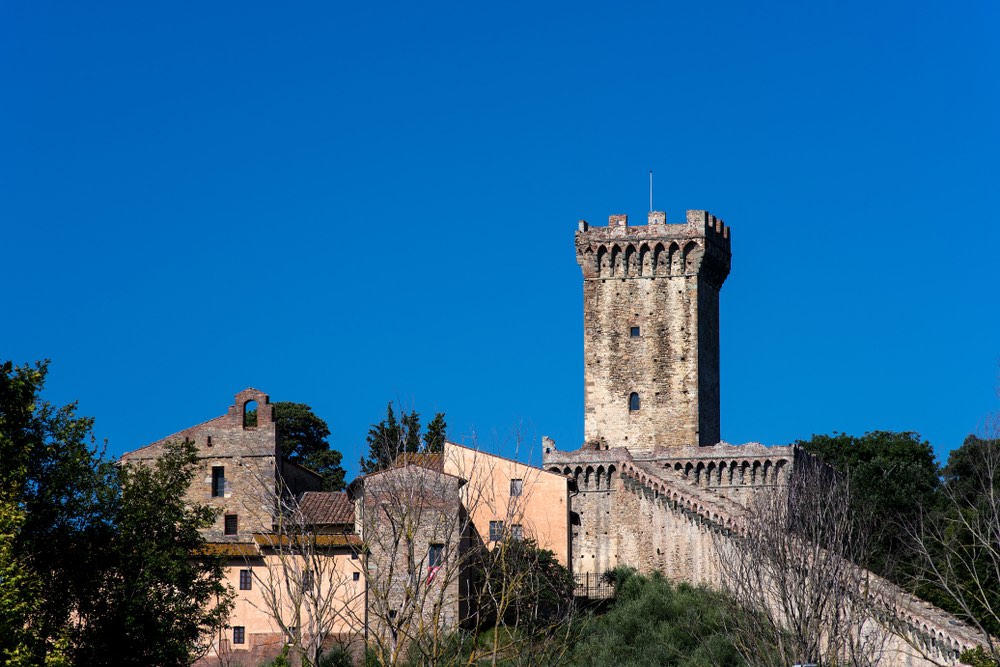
(652, 486)
(383, 562)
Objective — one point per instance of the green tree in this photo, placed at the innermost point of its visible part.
(892, 474)
(654, 622)
(159, 601)
(959, 541)
(435, 436)
(95, 560)
(56, 488)
(303, 437)
(391, 437)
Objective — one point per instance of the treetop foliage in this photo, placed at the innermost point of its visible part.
(893, 475)
(391, 437)
(303, 436)
(94, 557)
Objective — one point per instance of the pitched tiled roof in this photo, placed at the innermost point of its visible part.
(324, 508)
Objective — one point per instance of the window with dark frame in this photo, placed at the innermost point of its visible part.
(218, 481)
(496, 531)
(246, 580)
(435, 556)
(357, 576)
(633, 402)
(517, 532)
(232, 524)
(239, 634)
(633, 332)
(516, 487)
(307, 579)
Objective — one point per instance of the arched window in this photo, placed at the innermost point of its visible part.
(633, 402)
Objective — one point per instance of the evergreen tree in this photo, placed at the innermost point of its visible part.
(303, 437)
(435, 436)
(391, 437)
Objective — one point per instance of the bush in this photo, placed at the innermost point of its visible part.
(654, 622)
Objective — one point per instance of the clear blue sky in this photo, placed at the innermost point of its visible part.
(344, 204)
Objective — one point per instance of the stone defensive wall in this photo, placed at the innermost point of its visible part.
(670, 510)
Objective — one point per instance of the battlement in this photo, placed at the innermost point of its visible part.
(698, 224)
(700, 244)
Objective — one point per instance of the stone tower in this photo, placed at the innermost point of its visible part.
(651, 330)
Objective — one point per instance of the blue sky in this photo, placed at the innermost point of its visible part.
(347, 204)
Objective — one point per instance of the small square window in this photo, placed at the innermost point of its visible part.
(496, 531)
(516, 487)
(239, 634)
(517, 532)
(231, 524)
(357, 576)
(354, 555)
(633, 332)
(246, 580)
(218, 481)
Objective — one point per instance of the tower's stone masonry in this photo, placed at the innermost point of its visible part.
(651, 330)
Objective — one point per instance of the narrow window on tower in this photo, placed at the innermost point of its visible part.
(633, 402)
(633, 332)
(218, 481)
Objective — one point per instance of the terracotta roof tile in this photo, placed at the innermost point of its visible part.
(325, 508)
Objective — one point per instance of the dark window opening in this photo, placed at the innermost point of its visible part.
(231, 524)
(209, 442)
(250, 414)
(517, 532)
(246, 580)
(496, 531)
(307, 579)
(633, 402)
(516, 487)
(357, 576)
(435, 556)
(633, 332)
(239, 634)
(218, 481)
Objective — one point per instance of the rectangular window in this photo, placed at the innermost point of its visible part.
(239, 634)
(516, 487)
(517, 532)
(633, 332)
(357, 576)
(231, 524)
(307, 579)
(496, 531)
(435, 555)
(246, 580)
(218, 481)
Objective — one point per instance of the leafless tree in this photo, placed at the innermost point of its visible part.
(450, 556)
(302, 579)
(790, 564)
(959, 543)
